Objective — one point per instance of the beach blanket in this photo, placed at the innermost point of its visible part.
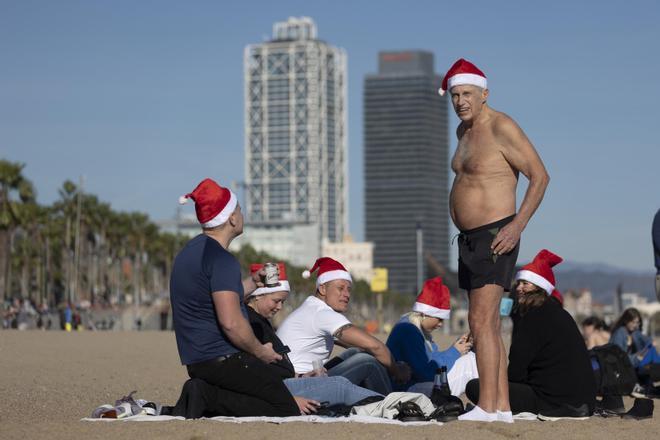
(276, 420)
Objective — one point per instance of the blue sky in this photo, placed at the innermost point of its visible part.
(145, 98)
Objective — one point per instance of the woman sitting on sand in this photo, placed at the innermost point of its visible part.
(549, 372)
(627, 335)
(411, 342)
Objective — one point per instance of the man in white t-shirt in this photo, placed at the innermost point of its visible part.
(311, 330)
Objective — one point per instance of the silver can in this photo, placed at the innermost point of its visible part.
(272, 277)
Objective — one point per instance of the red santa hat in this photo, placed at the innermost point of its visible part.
(463, 72)
(556, 294)
(539, 272)
(328, 270)
(282, 287)
(213, 203)
(433, 299)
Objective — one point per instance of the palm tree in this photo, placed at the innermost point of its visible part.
(15, 190)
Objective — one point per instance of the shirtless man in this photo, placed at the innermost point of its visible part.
(492, 151)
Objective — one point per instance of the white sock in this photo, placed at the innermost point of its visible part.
(504, 416)
(478, 415)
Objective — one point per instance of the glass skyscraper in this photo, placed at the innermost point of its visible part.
(295, 142)
(406, 149)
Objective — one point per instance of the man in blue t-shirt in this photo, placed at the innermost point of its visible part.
(213, 335)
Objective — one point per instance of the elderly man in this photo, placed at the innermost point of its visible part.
(310, 332)
(492, 151)
(213, 335)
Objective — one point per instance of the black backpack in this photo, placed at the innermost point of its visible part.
(617, 376)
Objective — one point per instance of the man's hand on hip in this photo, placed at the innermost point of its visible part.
(507, 239)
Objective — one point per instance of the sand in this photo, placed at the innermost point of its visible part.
(50, 380)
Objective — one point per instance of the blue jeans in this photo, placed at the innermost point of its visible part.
(334, 390)
(363, 369)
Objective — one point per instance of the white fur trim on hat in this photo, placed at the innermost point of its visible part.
(223, 216)
(467, 78)
(333, 275)
(534, 278)
(431, 311)
(283, 287)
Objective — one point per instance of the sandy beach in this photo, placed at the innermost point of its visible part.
(50, 380)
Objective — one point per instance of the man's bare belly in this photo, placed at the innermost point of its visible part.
(475, 202)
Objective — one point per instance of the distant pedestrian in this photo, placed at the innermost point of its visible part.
(656, 251)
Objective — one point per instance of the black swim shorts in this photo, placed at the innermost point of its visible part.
(477, 265)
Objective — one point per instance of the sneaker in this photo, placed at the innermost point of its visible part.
(152, 408)
(135, 407)
(610, 405)
(638, 392)
(565, 412)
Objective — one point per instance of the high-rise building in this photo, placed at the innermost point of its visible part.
(406, 149)
(296, 172)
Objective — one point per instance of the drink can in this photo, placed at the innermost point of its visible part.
(272, 277)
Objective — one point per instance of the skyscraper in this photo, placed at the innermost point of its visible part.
(406, 148)
(295, 142)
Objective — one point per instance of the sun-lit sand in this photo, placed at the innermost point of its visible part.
(50, 380)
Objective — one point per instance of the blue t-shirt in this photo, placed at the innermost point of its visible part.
(201, 268)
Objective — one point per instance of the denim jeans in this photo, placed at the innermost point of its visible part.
(363, 369)
(334, 390)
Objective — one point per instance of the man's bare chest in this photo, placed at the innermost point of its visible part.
(477, 153)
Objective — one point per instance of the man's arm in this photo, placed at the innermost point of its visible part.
(252, 283)
(521, 155)
(237, 328)
(349, 335)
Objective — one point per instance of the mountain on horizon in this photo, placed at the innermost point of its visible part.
(604, 279)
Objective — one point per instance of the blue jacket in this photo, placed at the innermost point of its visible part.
(639, 342)
(408, 344)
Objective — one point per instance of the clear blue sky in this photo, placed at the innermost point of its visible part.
(145, 98)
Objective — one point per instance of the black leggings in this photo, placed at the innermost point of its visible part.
(242, 386)
(521, 397)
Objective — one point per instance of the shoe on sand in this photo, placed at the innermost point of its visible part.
(565, 412)
(478, 415)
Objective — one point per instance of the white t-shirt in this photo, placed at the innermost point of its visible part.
(308, 331)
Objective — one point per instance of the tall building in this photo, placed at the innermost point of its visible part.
(296, 171)
(406, 149)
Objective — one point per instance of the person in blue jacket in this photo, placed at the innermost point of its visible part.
(411, 342)
(627, 335)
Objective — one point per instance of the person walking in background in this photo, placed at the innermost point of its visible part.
(656, 251)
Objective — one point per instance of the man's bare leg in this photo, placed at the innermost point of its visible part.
(484, 318)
